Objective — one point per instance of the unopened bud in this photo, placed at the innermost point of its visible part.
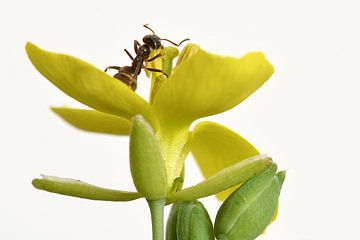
(189, 221)
(246, 212)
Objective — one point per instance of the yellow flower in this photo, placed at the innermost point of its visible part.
(201, 84)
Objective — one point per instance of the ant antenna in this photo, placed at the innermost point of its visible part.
(146, 26)
(176, 44)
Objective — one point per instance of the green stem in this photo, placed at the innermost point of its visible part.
(157, 218)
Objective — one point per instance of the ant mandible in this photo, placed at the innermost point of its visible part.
(128, 74)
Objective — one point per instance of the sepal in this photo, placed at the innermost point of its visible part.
(224, 179)
(77, 188)
(146, 162)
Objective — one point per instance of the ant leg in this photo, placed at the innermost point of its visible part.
(136, 46)
(156, 70)
(131, 57)
(153, 58)
(112, 67)
(176, 44)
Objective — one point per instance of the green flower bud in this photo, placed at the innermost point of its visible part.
(189, 221)
(146, 162)
(171, 222)
(246, 212)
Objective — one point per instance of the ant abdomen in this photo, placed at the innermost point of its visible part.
(126, 75)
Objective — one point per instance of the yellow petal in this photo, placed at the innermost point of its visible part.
(207, 84)
(173, 142)
(202, 84)
(168, 54)
(94, 121)
(157, 64)
(216, 147)
(188, 51)
(88, 84)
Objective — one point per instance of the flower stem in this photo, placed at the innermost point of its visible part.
(157, 218)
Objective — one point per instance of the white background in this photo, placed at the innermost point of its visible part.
(306, 116)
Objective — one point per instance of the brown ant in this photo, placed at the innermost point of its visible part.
(128, 74)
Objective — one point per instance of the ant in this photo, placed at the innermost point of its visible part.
(128, 74)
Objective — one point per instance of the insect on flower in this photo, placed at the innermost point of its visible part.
(128, 74)
(172, 111)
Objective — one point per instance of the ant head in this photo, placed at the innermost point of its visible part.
(153, 40)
